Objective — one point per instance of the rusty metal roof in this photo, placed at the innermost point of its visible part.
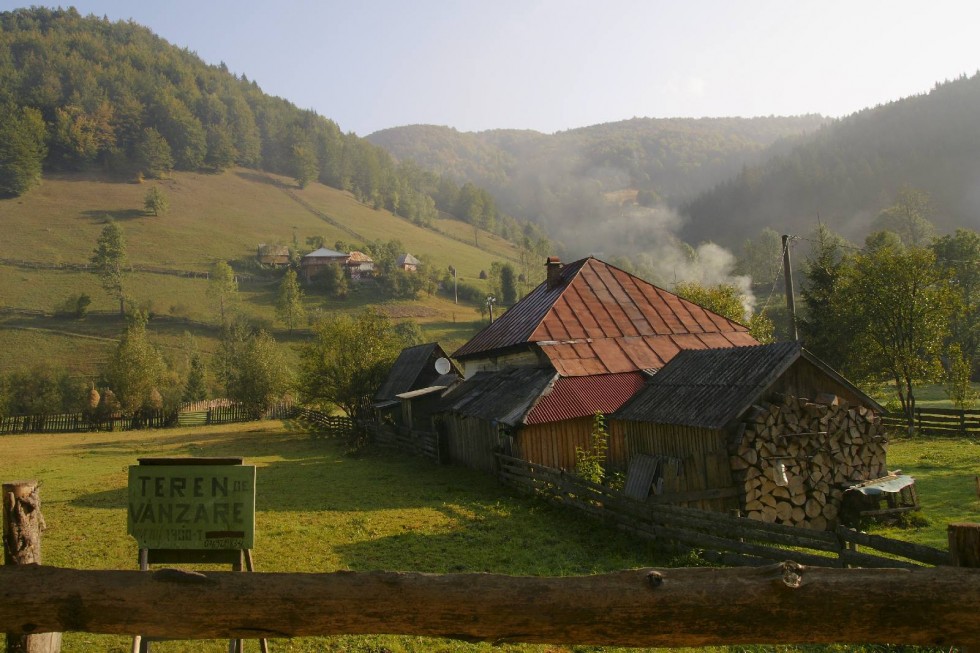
(599, 319)
(583, 396)
(709, 388)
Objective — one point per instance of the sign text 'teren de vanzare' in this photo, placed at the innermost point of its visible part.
(192, 506)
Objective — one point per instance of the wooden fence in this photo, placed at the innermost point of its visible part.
(215, 411)
(327, 425)
(726, 539)
(938, 421)
(80, 422)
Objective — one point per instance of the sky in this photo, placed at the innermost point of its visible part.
(552, 65)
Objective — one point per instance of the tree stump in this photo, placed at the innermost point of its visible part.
(22, 527)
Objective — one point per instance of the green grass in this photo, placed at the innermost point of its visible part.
(944, 471)
(223, 216)
(319, 510)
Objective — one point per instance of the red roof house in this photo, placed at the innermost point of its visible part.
(601, 332)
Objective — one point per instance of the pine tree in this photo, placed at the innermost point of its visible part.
(289, 303)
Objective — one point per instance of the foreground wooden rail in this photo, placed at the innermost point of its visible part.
(778, 604)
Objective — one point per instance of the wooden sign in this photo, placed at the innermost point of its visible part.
(194, 505)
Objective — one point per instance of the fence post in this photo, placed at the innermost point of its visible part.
(964, 551)
(22, 526)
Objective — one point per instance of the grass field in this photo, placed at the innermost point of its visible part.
(320, 510)
(223, 216)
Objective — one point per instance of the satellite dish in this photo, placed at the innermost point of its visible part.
(442, 365)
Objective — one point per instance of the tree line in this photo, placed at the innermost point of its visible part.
(847, 170)
(81, 92)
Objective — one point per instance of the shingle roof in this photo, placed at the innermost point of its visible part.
(599, 319)
(410, 371)
(583, 396)
(709, 388)
(407, 259)
(505, 396)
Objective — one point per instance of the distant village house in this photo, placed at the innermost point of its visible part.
(314, 262)
(275, 255)
(408, 263)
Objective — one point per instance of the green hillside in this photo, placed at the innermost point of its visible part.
(51, 231)
(854, 167)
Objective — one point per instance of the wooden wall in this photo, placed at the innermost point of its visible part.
(553, 444)
(470, 442)
(804, 379)
(702, 455)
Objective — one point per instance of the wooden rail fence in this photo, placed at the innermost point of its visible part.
(939, 421)
(725, 538)
(327, 425)
(216, 411)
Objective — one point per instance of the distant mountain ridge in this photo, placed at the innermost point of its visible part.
(853, 167)
(571, 180)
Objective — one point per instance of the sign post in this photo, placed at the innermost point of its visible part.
(192, 510)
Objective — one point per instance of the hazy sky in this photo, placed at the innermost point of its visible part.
(552, 65)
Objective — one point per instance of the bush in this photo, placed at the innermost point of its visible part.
(75, 305)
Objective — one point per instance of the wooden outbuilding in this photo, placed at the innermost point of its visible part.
(414, 385)
(769, 430)
(275, 255)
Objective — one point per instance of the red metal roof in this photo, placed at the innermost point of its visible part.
(599, 319)
(582, 396)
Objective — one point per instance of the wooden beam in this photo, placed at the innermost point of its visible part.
(776, 604)
(22, 527)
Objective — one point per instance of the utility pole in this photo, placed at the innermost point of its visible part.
(452, 268)
(491, 300)
(790, 300)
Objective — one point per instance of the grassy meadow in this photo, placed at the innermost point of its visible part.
(221, 216)
(320, 510)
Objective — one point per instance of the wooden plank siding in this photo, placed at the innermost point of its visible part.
(471, 442)
(804, 379)
(702, 452)
(553, 444)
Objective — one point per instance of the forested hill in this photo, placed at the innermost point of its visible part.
(573, 180)
(854, 167)
(83, 92)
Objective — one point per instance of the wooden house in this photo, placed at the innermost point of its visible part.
(413, 387)
(582, 342)
(408, 263)
(275, 255)
(359, 266)
(314, 262)
(769, 430)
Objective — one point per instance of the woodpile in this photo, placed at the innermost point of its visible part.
(793, 457)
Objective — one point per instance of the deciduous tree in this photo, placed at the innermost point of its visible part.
(109, 259)
(135, 368)
(289, 301)
(222, 288)
(155, 201)
(347, 360)
(901, 303)
(252, 368)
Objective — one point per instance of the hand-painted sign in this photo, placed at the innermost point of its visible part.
(192, 506)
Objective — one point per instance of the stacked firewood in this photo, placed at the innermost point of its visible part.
(793, 457)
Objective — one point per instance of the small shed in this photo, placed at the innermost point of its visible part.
(275, 255)
(408, 263)
(314, 262)
(769, 430)
(413, 386)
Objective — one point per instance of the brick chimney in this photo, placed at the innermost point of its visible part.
(553, 264)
